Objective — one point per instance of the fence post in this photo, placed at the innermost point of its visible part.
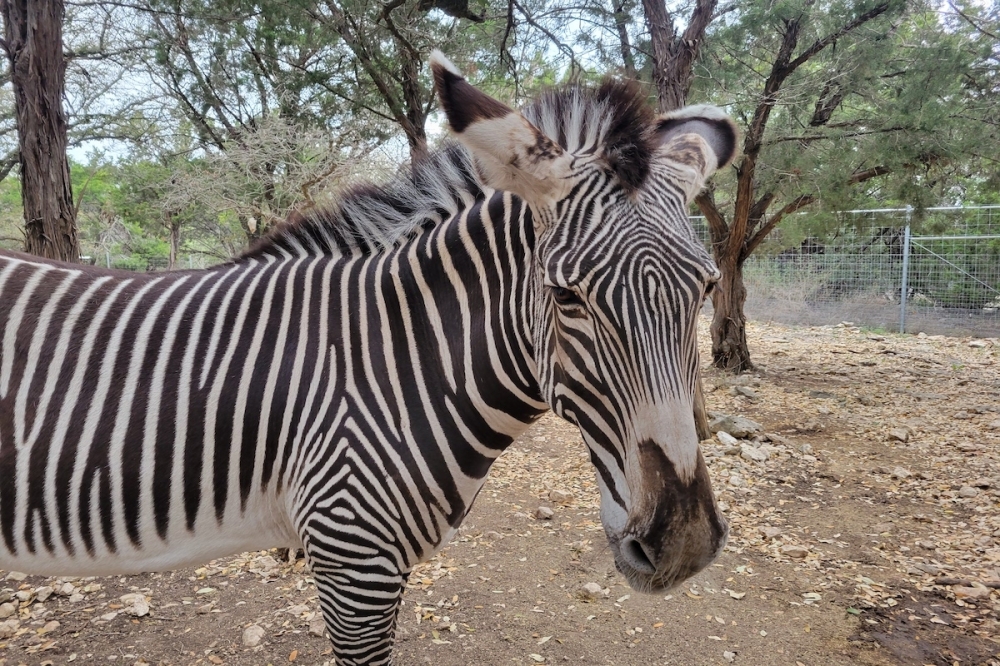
(906, 273)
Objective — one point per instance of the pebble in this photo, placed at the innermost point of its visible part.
(592, 591)
(544, 513)
(982, 483)
(746, 392)
(748, 452)
(975, 591)
(798, 552)
(135, 604)
(726, 439)
(317, 627)
(252, 635)
(43, 593)
(967, 491)
(806, 449)
(900, 473)
(770, 532)
(16, 576)
(560, 496)
(979, 344)
(729, 656)
(8, 628)
(6, 610)
(737, 426)
(899, 435)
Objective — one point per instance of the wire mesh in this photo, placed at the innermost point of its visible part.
(854, 272)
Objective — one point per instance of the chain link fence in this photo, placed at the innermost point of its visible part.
(935, 270)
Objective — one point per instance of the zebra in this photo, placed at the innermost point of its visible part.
(344, 386)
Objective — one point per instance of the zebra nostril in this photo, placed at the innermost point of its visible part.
(637, 555)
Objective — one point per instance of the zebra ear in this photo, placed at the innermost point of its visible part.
(702, 137)
(512, 153)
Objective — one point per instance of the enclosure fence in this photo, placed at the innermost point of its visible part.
(936, 271)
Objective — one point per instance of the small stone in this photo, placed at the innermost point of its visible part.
(746, 392)
(900, 473)
(736, 481)
(797, 552)
(8, 628)
(994, 425)
(65, 590)
(726, 439)
(899, 434)
(962, 416)
(49, 627)
(883, 528)
(927, 545)
(770, 532)
(806, 449)
(560, 496)
(6, 610)
(135, 604)
(975, 591)
(982, 483)
(748, 452)
(729, 656)
(809, 459)
(979, 344)
(205, 609)
(16, 576)
(43, 593)
(25, 596)
(544, 513)
(76, 598)
(252, 635)
(968, 491)
(317, 627)
(928, 568)
(591, 591)
(737, 426)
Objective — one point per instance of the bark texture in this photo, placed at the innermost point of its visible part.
(33, 44)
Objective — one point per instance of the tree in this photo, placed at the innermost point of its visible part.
(34, 48)
(832, 96)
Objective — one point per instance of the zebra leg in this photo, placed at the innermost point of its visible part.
(360, 600)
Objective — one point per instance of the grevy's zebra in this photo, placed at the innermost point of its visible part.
(347, 384)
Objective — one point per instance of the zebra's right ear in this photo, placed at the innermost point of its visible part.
(512, 153)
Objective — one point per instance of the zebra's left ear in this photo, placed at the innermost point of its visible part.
(701, 137)
(512, 153)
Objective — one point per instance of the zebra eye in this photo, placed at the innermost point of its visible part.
(566, 297)
(710, 288)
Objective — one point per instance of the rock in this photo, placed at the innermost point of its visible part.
(8, 628)
(49, 627)
(806, 449)
(729, 656)
(737, 426)
(135, 604)
(43, 593)
(592, 591)
(900, 473)
(899, 434)
(726, 439)
(962, 416)
(317, 627)
(975, 591)
(205, 609)
(76, 598)
(770, 532)
(797, 552)
(252, 635)
(746, 392)
(544, 513)
(736, 481)
(560, 496)
(266, 563)
(6, 610)
(822, 395)
(65, 590)
(979, 344)
(994, 425)
(928, 568)
(25, 596)
(16, 576)
(982, 483)
(927, 545)
(882, 528)
(748, 452)
(968, 491)
(809, 459)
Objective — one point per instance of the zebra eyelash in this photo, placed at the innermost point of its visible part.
(566, 297)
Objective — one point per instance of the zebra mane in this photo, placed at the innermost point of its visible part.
(613, 119)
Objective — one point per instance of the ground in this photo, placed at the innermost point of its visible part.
(870, 534)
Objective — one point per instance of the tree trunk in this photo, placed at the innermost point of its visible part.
(33, 42)
(729, 325)
(175, 241)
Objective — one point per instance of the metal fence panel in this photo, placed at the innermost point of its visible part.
(940, 274)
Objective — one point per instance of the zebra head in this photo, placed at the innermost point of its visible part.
(618, 280)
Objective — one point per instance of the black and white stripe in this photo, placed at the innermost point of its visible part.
(347, 385)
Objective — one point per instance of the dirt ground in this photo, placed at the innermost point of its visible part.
(865, 530)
